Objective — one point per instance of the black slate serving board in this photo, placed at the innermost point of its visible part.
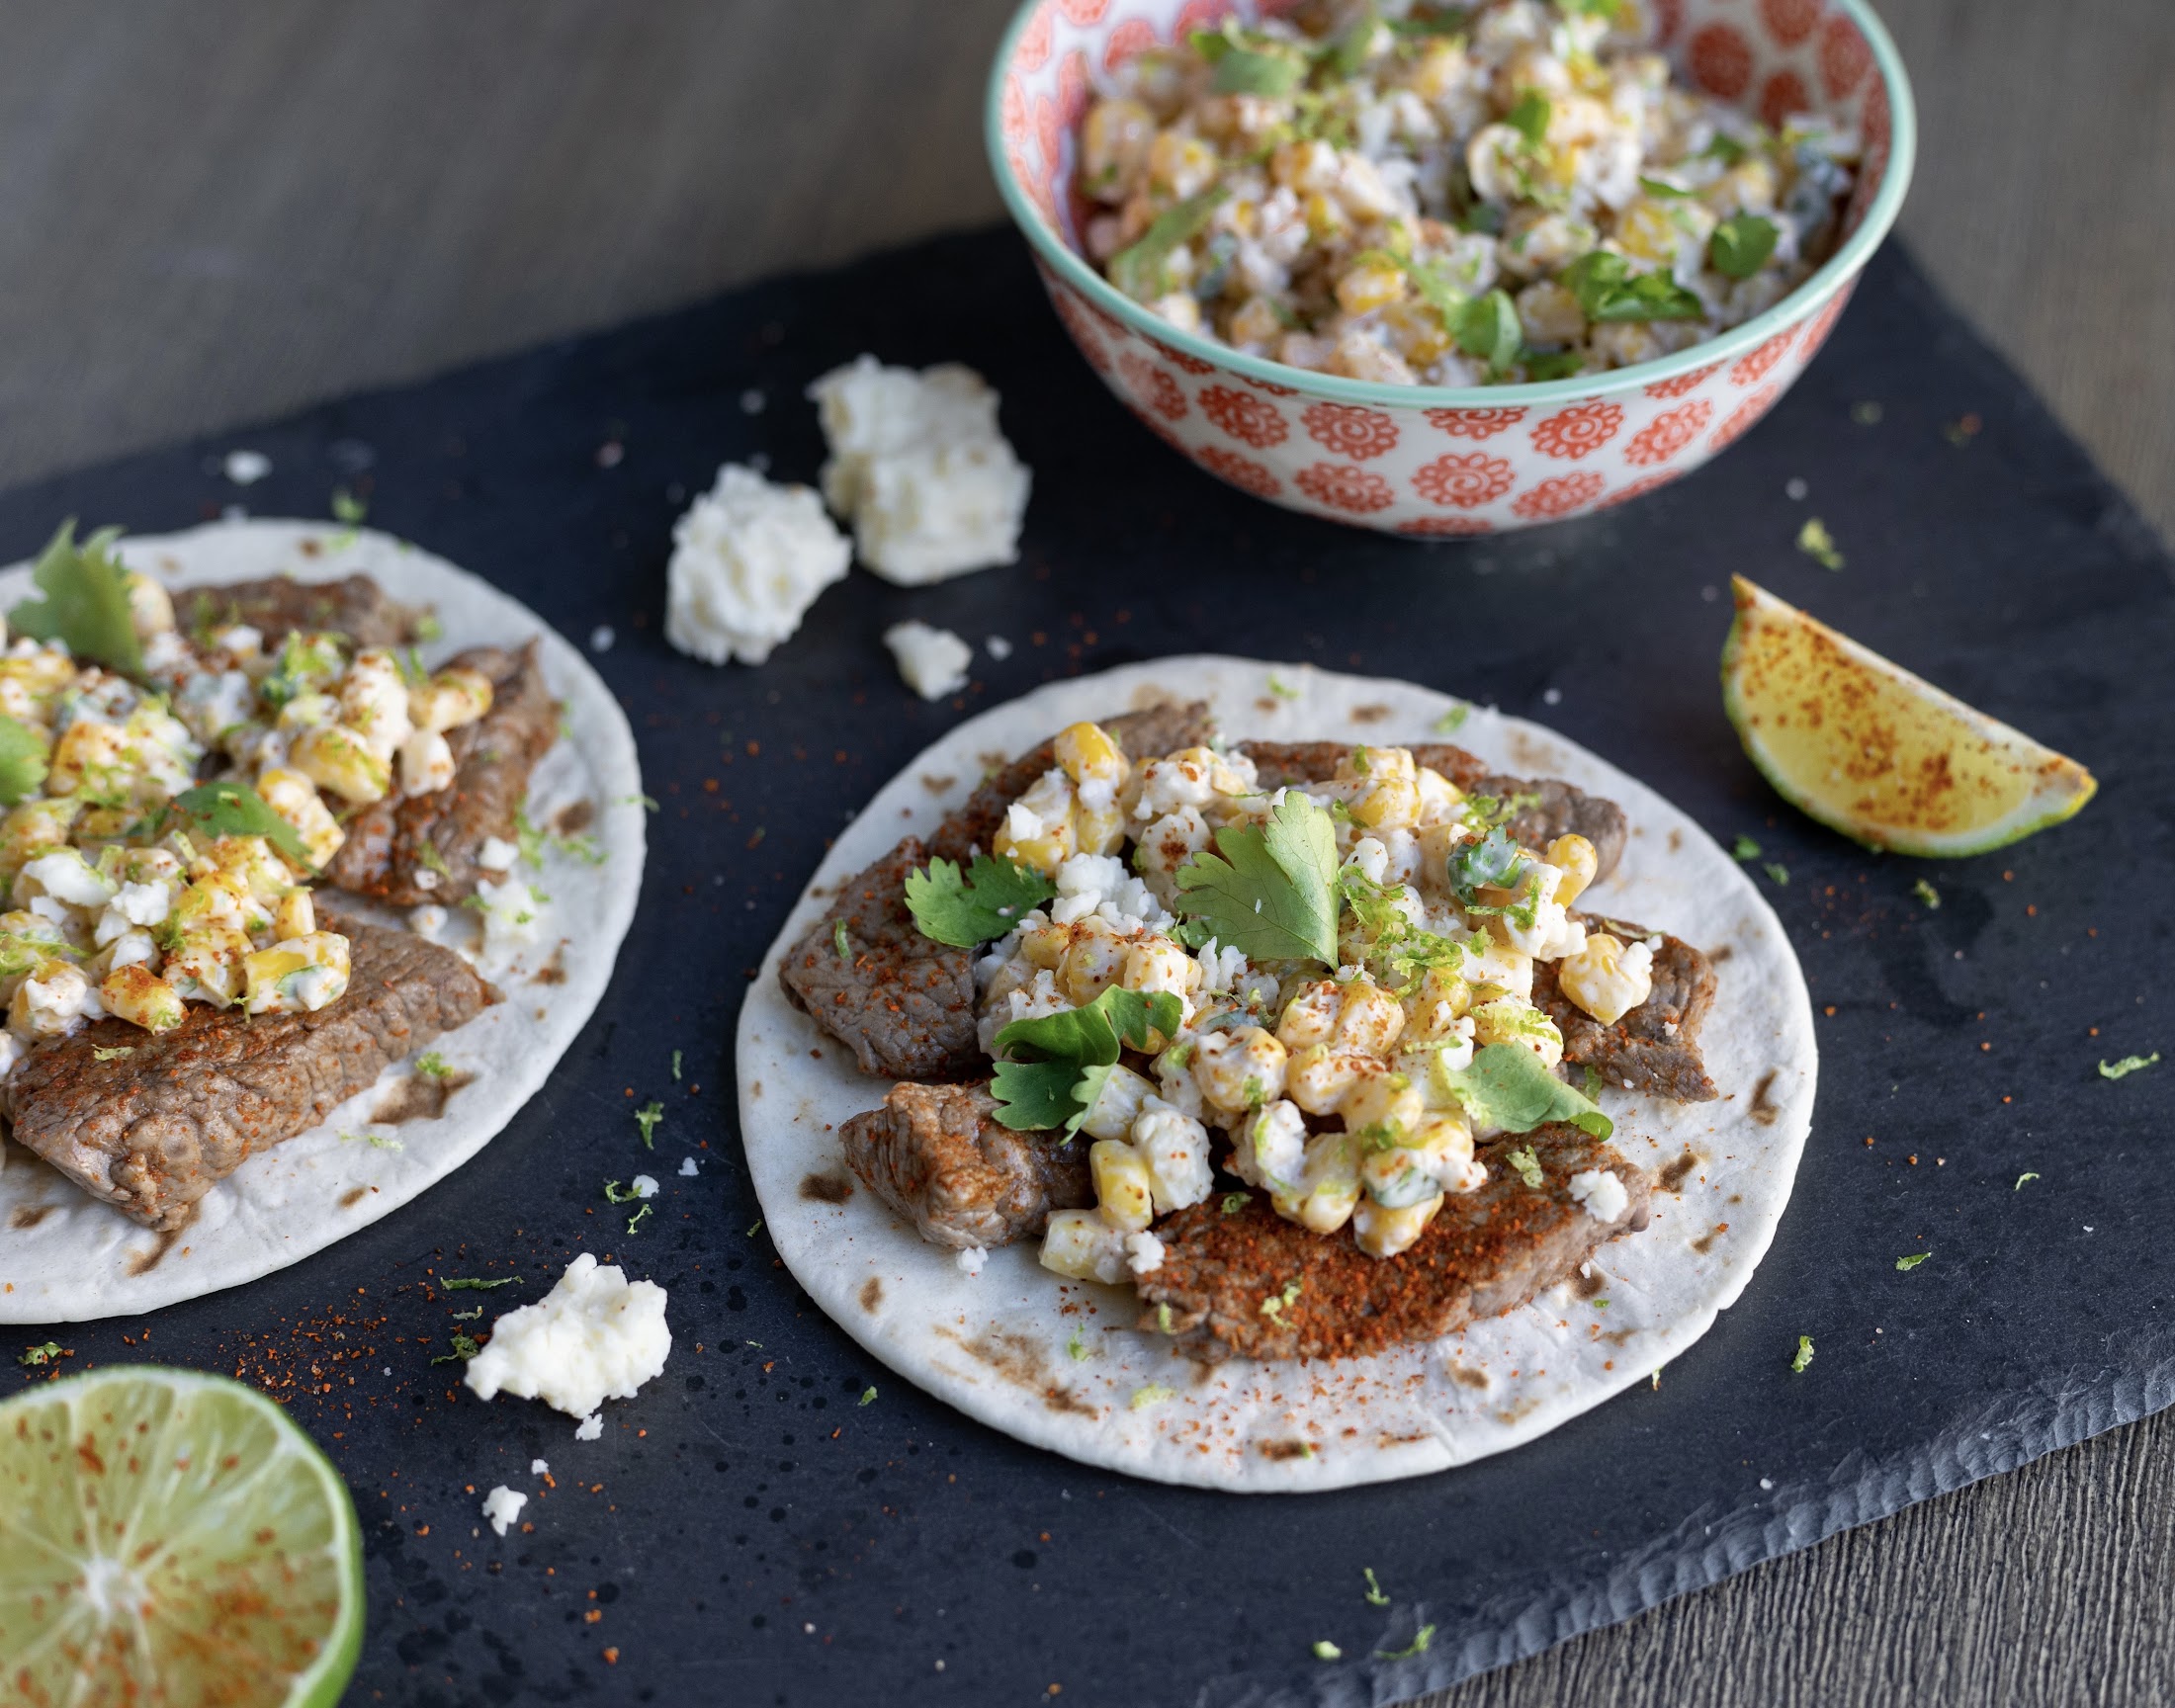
(747, 1531)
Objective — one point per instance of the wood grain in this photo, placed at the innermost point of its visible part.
(213, 211)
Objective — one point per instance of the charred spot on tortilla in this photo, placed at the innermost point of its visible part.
(573, 817)
(872, 1294)
(144, 1262)
(1705, 1241)
(1588, 1282)
(1369, 714)
(553, 971)
(418, 1097)
(354, 1195)
(1016, 1359)
(1673, 1177)
(1277, 1452)
(826, 1188)
(1764, 1109)
(28, 1216)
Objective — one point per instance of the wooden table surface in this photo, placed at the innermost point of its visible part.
(217, 212)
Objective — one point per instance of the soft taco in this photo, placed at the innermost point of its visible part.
(317, 854)
(1245, 1083)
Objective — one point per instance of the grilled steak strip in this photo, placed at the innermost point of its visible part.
(383, 856)
(903, 1002)
(1560, 807)
(937, 1154)
(1486, 1252)
(1148, 735)
(152, 1129)
(277, 607)
(1654, 1048)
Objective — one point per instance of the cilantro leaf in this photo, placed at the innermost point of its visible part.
(1779, 874)
(1077, 1348)
(434, 1065)
(1269, 891)
(465, 1348)
(1452, 719)
(21, 761)
(1489, 328)
(1817, 542)
(460, 1283)
(1260, 66)
(1141, 270)
(1526, 1166)
(84, 600)
(868, 1397)
(968, 910)
(1805, 1355)
(1066, 1058)
(1927, 894)
(1495, 862)
(1741, 246)
(1353, 45)
(1529, 117)
(1507, 1089)
(2126, 1065)
(1907, 1264)
(44, 1353)
(1744, 848)
(646, 1118)
(215, 810)
(1608, 290)
(615, 1193)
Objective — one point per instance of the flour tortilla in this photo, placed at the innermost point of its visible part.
(67, 1257)
(999, 1345)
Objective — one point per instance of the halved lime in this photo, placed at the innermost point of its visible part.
(172, 1538)
(1863, 746)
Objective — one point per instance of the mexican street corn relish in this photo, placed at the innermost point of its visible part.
(1411, 193)
(1308, 971)
(132, 889)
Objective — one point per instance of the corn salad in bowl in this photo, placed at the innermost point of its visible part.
(1327, 1042)
(1448, 271)
(1449, 196)
(132, 888)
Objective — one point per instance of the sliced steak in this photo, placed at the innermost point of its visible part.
(1486, 1252)
(152, 1129)
(937, 1154)
(1285, 764)
(357, 608)
(383, 857)
(1559, 811)
(1656, 1045)
(1560, 807)
(903, 1002)
(1148, 735)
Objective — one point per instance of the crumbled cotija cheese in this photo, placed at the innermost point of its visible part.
(933, 661)
(1601, 1192)
(748, 558)
(919, 465)
(502, 1506)
(593, 1337)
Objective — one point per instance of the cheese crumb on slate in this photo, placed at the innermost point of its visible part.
(591, 1427)
(247, 467)
(971, 1258)
(502, 1506)
(687, 1165)
(539, 1467)
(645, 1186)
(920, 467)
(933, 661)
(748, 558)
(1602, 1193)
(593, 1337)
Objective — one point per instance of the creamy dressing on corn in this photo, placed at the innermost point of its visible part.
(116, 910)
(1331, 1091)
(1413, 193)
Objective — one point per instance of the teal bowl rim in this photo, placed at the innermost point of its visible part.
(1833, 274)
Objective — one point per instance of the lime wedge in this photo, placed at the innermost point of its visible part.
(168, 1537)
(1866, 747)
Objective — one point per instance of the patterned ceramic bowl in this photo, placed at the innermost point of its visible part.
(1434, 459)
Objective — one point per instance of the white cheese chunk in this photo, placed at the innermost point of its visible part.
(539, 1467)
(591, 1427)
(748, 558)
(596, 1336)
(645, 1186)
(933, 661)
(919, 465)
(971, 1258)
(503, 1507)
(1601, 1193)
(687, 1165)
(497, 854)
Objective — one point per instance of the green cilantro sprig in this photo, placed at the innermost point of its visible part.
(1064, 1060)
(1269, 891)
(1508, 1088)
(83, 601)
(1741, 246)
(646, 1118)
(215, 810)
(44, 1353)
(968, 910)
(22, 764)
(1608, 291)
(1141, 270)
(1907, 1264)
(1248, 62)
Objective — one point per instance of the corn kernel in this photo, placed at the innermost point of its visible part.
(1329, 1188)
(1381, 1101)
(302, 975)
(1180, 165)
(209, 964)
(293, 797)
(1081, 1245)
(338, 758)
(1605, 979)
(1575, 857)
(1369, 287)
(1317, 1077)
(1256, 321)
(1124, 1189)
(1086, 754)
(1384, 1232)
(1506, 1020)
(1646, 230)
(133, 993)
(150, 608)
(1119, 1104)
(1242, 1068)
(1113, 144)
(1092, 963)
(295, 916)
(453, 697)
